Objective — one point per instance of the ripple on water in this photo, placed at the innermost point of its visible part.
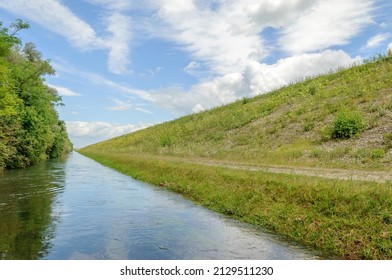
(89, 211)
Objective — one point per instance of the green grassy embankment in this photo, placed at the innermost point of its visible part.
(342, 120)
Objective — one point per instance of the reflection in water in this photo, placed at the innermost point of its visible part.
(79, 209)
(26, 198)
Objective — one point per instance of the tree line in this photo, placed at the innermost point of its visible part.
(30, 128)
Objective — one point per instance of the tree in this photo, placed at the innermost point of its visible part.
(30, 129)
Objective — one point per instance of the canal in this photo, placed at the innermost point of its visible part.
(76, 208)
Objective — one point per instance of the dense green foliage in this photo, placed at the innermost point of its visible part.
(347, 124)
(30, 129)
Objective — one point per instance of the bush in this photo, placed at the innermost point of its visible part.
(245, 100)
(347, 125)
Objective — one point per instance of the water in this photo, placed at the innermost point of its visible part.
(75, 208)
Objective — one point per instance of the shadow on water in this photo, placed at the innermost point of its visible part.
(75, 208)
(26, 199)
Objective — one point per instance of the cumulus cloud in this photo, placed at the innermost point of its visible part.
(225, 35)
(262, 78)
(256, 78)
(222, 37)
(326, 24)
(85, 133)
(276, 13)
(197, 108)
(224, 40)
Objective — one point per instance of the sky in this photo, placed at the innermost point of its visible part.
(125, 65)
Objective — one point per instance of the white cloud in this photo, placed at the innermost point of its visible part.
(261, 78)
(256, 78)
(389, 47)
(225, 43)
(143, 110)
(225, 35)
(275, 13)
(125, 106)
(376, 40)
(191, 67)
(118, 44)
(326, 24)
(56, 17)
(112, 4)
(204, 95)
(85, 133)
(63, 91)
(222, 38)
(198, 108)
(100, 80)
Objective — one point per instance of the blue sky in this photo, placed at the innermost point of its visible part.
(125, 65)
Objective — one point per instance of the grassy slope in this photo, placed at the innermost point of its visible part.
(346, 219)
(289, 126)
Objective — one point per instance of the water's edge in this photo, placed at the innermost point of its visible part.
(76, 208)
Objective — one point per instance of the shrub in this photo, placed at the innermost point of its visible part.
(347, 124)
(245, 100)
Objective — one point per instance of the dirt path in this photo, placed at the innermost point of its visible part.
(341, 174)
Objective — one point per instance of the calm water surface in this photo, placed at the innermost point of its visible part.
(75, 208)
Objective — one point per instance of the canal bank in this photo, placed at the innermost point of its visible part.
(343, 219)
(75, 208)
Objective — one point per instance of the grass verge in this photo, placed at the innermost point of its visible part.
(341, 219)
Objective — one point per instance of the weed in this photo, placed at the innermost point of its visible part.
(308, 127)
(377, 153)
(245, 100)
(312, 90)
(381, 111)
(166, 141)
